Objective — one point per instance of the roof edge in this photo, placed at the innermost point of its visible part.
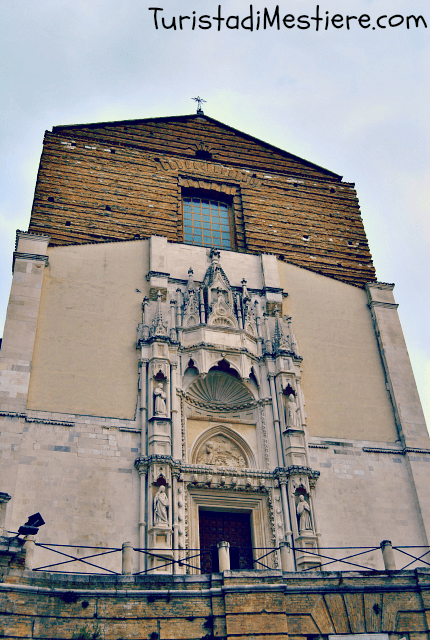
(95, 125)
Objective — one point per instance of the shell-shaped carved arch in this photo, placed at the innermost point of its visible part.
(222, 447)
(220, 390)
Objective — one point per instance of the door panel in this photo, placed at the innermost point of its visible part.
(235, 528)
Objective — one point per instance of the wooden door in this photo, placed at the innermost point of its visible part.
(235, 528)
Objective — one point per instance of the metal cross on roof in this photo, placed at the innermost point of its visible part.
(199, 101)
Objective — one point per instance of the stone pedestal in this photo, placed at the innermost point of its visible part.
(307, 541)
(160, 548)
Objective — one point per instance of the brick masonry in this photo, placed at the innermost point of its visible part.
(122, 180)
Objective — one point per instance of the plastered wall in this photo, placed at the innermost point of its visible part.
(343, 379)
(85, 359)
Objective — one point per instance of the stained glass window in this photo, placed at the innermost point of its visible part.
(206, 223)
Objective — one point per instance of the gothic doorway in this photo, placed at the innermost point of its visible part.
(235, 528)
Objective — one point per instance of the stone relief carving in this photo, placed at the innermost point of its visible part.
(221, 313)
(221, 452)
(161, 507)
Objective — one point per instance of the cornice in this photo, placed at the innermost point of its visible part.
(43, 421)
(398, 452)
(19, 255)
(156, 274)
(389, 286)
(384, 305)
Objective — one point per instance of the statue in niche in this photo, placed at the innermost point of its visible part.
(304, 514)
(292, 412)
(161, 505)
(160, 400)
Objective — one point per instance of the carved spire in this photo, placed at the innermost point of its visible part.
(158, 328)
(145, 323)
(268, 341)
(249, 322)
(280, 342)
(294, 345)
(191, 310)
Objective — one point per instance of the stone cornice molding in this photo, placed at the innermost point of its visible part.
(389, 286)
(156, 274)
(62, 423)
(286, 472)
(398, 452)
(234, 288)
(265, 402)
(384, 305)
(228, 487)
(212, 347)
(35, 257)
(143, 462)
(34, 237)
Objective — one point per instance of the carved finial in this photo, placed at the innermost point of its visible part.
(190, 284)
(215, 256)
(245, 294)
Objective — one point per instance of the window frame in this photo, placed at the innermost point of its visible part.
(219, 197)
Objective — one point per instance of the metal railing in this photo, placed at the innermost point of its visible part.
(222, 558)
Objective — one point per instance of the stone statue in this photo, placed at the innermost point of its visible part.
(161, 505)
(292, 412)
(304, 513)
(160, 400)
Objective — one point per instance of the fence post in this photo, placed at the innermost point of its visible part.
(224, 556)
(29, 546)
(127, 558)
(388, 555)
(287, 563)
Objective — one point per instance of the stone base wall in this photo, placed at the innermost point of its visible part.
(254, 605)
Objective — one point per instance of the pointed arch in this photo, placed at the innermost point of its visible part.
(221, 446)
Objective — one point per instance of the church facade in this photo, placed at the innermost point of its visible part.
(197, 353)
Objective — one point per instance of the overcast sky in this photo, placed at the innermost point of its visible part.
(356, 102)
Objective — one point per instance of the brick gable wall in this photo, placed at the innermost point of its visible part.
(122, 181)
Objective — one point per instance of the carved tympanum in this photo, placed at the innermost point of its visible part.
(219, 451)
